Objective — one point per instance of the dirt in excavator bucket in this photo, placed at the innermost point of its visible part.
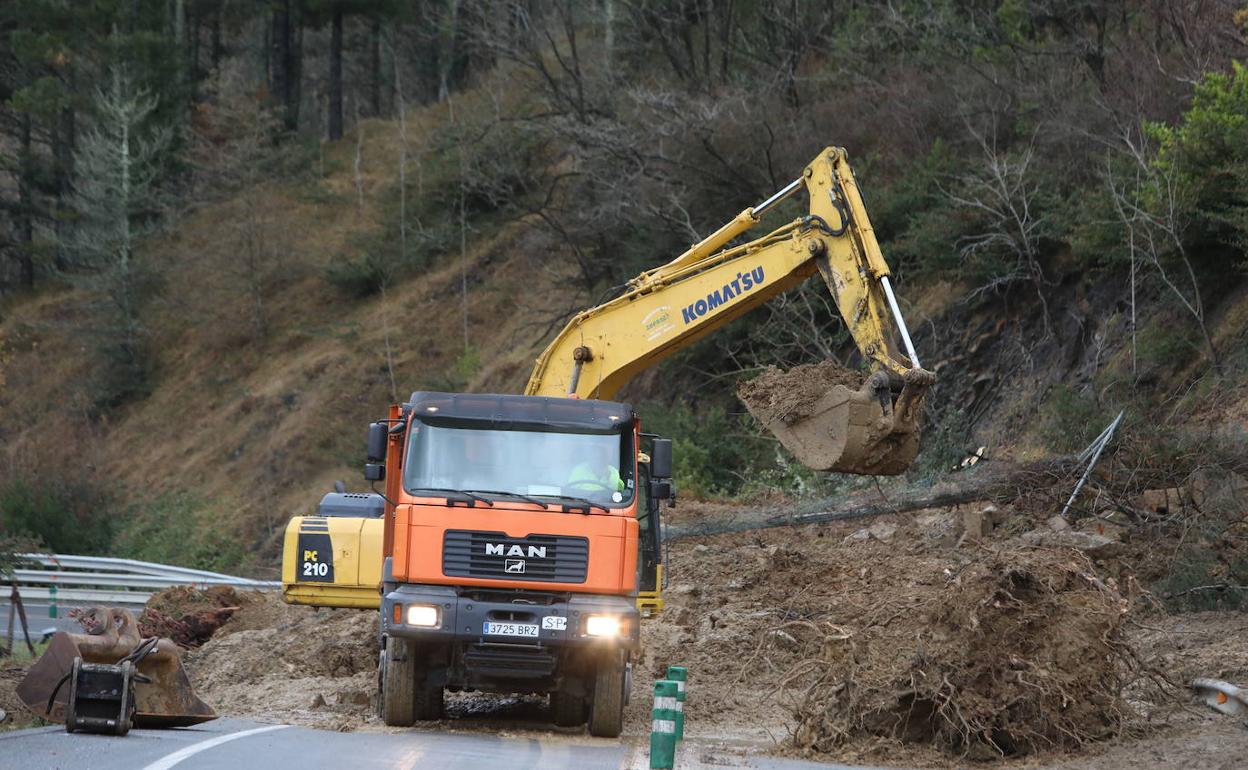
(834, 419)
(165, 701)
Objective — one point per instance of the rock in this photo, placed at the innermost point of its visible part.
(353, 697)
(1162, 500)
(994, 514)
(686, 589)
(975, 524)
(882, 531)
(1058, 524)
(1094, 545)
(1109, 529)
(699, 548)
(860, 536)
(3, 715)
(784, 639)
(318, 701)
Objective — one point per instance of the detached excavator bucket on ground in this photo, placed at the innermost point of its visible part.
(868, 431)
(162, 693)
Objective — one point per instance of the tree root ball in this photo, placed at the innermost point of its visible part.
(1019, 652)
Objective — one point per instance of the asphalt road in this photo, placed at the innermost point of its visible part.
(237, 744)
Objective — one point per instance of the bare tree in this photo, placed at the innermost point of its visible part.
(1004, 194)
(1147, 201)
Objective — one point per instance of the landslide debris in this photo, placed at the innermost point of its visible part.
(1020, 652)
(790, 394)
(187, 615)
(900, 644)
(911, 645)
(272, 661)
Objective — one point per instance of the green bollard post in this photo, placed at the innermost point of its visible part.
(663, 726)
(679, 675)
(52, 601)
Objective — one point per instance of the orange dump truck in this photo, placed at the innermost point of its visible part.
(519, 534)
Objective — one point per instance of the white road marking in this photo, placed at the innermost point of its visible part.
(168, 761)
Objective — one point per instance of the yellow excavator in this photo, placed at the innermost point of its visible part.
(866, 431)
(337, 557)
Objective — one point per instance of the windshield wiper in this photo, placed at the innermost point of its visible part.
(582, 500)
(456, 492)
(515, 495)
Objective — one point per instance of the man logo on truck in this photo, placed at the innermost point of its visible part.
(502, 549)
(514, 566)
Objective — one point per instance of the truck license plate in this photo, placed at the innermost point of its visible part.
(509, 629)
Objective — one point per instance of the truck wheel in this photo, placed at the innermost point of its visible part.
(397, 677)
(428, 698)
(568, 709)
(606, 714)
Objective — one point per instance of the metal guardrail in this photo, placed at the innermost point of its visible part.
(108, 580)
(87, 596)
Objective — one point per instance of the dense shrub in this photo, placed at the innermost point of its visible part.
(1206, 155)
(66, 515)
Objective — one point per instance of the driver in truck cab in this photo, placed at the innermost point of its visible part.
(598, 472)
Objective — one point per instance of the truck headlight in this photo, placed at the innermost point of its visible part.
(602, 625)
(423, 615)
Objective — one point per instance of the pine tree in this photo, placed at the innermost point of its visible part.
(117, 201)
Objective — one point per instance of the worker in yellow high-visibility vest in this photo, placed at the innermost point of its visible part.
(596, 473)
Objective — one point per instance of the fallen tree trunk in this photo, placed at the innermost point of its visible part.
(993, 482)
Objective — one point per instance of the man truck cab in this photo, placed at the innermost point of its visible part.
(521, 546)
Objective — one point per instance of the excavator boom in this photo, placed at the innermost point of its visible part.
(869, 430)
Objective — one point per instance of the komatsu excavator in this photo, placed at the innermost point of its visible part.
(517, 542)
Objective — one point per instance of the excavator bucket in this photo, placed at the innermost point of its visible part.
(162, 696)
(866, 430)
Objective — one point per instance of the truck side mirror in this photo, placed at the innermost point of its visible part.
(377, 435)
(662, 489)
(661, 459)
(374, 472)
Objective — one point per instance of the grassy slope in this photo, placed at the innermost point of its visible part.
(261, 426)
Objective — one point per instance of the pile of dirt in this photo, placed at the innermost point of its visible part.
(1018, 653)
(190, 616)
(897, 642)
(275, 662)
(732, 597)
(789, 395)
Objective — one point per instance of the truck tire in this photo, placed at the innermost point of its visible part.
(397, 677)
(427, 705)
(606, 713)
(568, 710)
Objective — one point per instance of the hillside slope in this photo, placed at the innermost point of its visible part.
(256, 427)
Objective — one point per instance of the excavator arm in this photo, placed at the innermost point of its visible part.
(871, 430)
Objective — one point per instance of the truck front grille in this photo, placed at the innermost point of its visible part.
(548, 558)
(510, 661)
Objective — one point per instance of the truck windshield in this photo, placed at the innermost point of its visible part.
(533, 463)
